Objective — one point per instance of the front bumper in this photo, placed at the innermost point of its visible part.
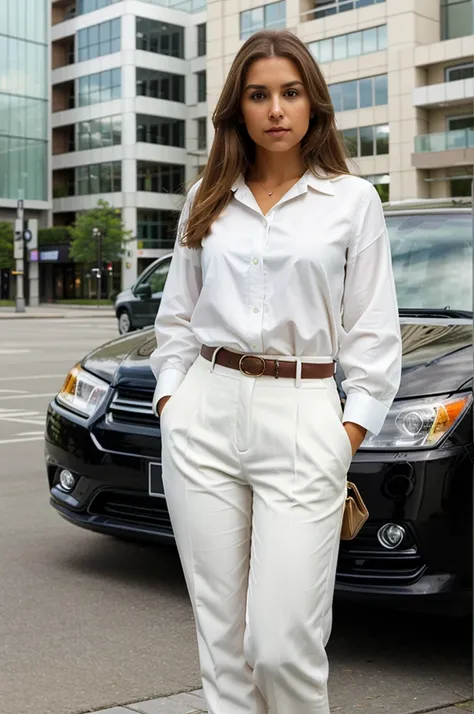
(430, 495)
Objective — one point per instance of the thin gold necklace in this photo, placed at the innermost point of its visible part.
(270, 193)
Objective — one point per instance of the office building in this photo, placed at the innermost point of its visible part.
(24, 117)
(129, 116)
(401, 76)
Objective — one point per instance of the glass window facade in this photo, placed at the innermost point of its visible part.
(84, 6)
(24, 99)
(160, 37)
(98, 40)
(462, 71)
(156, 229)
(201, 39)
(184, 5)
(457, 19)
(159, 178)
(367, 140)
(201, 86)
(201, 133)
(271, 17)
(160, 85)
(160, 130)
(353, 44)
(100, 87)
(99, 133)
(98, 178)
(382, 184)
(361, 93)
(324, 8)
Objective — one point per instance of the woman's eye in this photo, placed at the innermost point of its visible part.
(292, 93)
(257, 95)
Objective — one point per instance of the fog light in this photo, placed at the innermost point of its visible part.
(67, 480)
(390, 535)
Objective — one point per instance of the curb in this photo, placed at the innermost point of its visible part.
(22, 316)
(192, 702)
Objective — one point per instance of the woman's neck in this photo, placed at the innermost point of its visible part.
(274, 169)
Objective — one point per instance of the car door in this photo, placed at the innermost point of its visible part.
(156, 279)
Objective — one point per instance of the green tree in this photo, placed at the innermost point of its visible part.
(56, 235)
(6, 245)
(113, 236)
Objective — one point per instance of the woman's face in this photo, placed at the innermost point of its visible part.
(275, 104)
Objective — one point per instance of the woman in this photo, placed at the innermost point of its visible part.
(282, 265)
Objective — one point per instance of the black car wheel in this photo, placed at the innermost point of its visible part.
(125, 324)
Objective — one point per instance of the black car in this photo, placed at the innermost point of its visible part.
(103, 448)
(137, 306)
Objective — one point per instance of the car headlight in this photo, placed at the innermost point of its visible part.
(419, 423)
(82, 392)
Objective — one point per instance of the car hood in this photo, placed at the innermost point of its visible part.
(437, 358)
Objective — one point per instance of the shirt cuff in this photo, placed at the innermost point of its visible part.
(167, 383)
(366, 411)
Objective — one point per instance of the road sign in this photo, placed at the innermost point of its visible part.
(27, 235)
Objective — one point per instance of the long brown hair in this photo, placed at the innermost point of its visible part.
(233, 151)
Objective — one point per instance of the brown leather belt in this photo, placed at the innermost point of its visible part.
(254, 366)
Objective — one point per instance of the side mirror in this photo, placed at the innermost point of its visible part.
(143, 291)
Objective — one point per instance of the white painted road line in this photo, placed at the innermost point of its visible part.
(30, 433)
(36, 422)
(14, 352)
(29, 396)
(15, 378)
(21, 441)
(14, 391)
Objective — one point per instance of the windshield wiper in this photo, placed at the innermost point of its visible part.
(436, 311)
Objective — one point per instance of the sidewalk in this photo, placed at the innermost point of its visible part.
(193, 703)
(52, 311)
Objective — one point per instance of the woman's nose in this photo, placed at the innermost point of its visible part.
(276, 111)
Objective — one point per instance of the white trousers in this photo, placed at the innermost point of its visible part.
(254, 471)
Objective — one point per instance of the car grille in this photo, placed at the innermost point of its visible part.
(132, 508)
(364, 561)
(133, 406)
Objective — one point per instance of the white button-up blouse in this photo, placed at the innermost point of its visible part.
(312, 278)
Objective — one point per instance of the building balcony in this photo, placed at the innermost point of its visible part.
(317, 9)
(444, 149)
(62, 10)
(445, 93)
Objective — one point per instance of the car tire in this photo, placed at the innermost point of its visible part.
(125, 324)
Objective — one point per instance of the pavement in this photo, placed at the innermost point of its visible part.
(193, 703)
(89, 623)
(54, 311)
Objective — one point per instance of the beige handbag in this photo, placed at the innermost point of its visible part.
(355, 513)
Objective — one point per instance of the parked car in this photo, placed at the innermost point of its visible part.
(103, 448)
(137, 306)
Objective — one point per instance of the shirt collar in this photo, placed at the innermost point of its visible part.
(321, 182)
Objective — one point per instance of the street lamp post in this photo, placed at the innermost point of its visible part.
(97, 234)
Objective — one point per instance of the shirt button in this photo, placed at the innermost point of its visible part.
(254, 347)
(255, 309)
(255, 261)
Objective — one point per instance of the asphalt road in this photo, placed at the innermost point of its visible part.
(87, 621)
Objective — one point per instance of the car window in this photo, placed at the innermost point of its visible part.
(157, 278)
(432, 259)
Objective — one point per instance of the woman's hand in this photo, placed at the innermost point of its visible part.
(161, 404)
(356, 434)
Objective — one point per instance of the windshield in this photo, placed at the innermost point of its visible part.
(432, 259)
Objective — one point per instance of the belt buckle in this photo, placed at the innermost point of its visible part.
(249, 374)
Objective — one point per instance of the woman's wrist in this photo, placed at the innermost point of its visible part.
(161, 403)
(356, 434)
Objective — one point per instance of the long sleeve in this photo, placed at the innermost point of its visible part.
(370, 347)
(177, 348)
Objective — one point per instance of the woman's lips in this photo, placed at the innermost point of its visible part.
(277, 133)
